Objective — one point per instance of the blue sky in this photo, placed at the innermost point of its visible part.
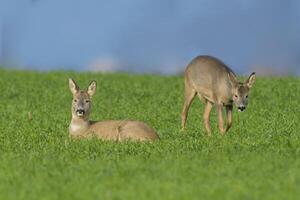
(150, 36)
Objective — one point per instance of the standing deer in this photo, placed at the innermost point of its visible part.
(117, 130)
(215, 84)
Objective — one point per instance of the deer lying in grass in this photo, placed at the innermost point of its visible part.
(215, 84)
(117, 130)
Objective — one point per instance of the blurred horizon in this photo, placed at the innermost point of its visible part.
(150, 36)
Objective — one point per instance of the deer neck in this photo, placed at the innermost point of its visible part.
(78, 126)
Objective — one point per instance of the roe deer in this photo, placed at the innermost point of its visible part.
(215, 84)
(117, 130)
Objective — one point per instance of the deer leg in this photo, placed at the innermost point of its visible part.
(220, 118)
(229, 117)
(189, 95)
(206, 117)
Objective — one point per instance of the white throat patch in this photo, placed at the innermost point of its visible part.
(75, 127)
(78, 127)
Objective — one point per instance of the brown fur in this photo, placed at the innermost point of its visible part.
(215, 84)
(117, 130)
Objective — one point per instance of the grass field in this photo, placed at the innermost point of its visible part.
(258, 159)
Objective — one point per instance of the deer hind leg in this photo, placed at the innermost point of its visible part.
(206, 117)
(229, 117)
(189, 94)
(220, 118)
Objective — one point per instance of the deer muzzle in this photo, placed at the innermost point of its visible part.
(80, 112)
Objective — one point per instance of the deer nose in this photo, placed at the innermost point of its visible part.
(80, 111)
(241, 108)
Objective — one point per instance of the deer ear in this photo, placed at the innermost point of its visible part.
(250, 81)
(233, 80)
(92, 88)
(73, 86)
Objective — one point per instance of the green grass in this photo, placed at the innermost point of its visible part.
(258, 159)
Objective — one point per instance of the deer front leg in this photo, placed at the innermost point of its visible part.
(188, 98)
(229, 117)
(220, 118)
(206, 117)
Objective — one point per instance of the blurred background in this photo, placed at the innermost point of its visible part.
(150, 36)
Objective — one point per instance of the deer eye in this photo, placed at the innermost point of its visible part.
(87, 101)
(75, 100)
(236, 96)
(246, 96)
